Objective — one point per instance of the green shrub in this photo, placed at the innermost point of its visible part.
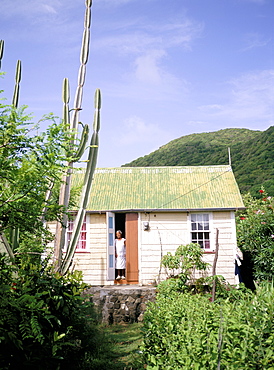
(45, 323)
(255, 234)
(185, 331)
(184, 262)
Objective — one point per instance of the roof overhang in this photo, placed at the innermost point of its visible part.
(167, 210)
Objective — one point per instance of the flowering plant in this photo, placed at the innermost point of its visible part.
(255, 234)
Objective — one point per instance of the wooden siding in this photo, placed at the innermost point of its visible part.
(93, 263)
(169, 230)
(166, 232)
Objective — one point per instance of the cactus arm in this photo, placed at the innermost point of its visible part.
(14, 233)
(92, 159)
(1, 51)
(82, 69)
(7, 246)
(64, 194)
(47, 197)
(65, 98)
(14, 238)
(94, 144)
(15, 98)
(82, 144)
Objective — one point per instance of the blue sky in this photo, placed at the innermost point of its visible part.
(165, 68)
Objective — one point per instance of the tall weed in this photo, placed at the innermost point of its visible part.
(185, 331)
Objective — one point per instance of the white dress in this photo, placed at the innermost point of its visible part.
(121, 253)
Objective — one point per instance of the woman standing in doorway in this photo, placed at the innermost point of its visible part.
(120, 254)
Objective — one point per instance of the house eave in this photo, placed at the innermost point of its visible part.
(154, 210)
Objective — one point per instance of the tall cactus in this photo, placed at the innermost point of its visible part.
(63, 195)
(92, 159)
(1, 51)
(60, 234)
(82, 70)
(77, 152)
(14, 233)
(15, 98)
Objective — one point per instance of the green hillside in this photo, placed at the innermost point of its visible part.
(252, 155)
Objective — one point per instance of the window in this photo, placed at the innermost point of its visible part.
(82, 242)
(200, 229)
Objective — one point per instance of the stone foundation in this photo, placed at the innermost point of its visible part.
(121, 304)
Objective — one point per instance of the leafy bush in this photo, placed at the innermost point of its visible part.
(29, 161)
(184, 262)
(255, 234)
(180, 268)
(185, 331)
(45, 323)
(223, 290)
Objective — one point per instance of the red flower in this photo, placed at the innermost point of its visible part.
(242, 218)
(261, 191)
(265, 199)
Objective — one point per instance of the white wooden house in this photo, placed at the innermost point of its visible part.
(157, 209)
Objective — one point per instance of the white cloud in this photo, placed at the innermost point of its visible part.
(126, 44)
(249, 102)
(255, 1)
(27, 9)
(254, 40)
(197, 125)
(148, 48)
(155, 36)
(254, 91)
(49, 9)
(114, 2)
(136, 130)
(42, 21)
(176, 33)
(210, 107)
(147, 67)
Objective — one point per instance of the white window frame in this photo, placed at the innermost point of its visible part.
(202, 229)
(87, 231)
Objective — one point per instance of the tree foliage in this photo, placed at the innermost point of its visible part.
(255, 234)
(31, 164)
(252, 155)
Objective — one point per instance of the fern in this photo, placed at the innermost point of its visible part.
(36, 329)
(25, 330)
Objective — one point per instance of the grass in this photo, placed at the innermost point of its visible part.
(123, 354)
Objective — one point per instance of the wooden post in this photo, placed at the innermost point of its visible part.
(214, 265)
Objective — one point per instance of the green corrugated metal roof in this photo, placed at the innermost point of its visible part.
(163, 188)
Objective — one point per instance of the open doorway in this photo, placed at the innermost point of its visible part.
(120, 223)
(120, 220)
(128, 224)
